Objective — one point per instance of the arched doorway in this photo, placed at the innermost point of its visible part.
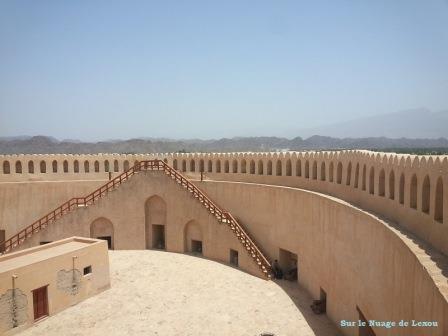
(193, 240)
(155, 221)
(102, 228)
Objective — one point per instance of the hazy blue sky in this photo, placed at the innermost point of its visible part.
(207, 69)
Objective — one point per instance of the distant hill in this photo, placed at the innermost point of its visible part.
(48, 145)
(417, 123)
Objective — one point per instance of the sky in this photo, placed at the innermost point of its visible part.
(93, 70)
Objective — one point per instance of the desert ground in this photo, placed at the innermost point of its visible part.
(162, 293)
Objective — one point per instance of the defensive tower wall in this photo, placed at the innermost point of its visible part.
(309, 207)
(410, 190)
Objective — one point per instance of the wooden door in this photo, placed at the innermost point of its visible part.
(40, 302)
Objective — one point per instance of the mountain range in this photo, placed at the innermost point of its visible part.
(416, 123)
(406, 130)
(48, 145)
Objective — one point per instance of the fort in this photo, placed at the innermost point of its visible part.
(367, 230)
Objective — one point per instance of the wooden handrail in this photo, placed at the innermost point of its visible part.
(255, 247)
(66, 207)
(223, 215)
(158, 165)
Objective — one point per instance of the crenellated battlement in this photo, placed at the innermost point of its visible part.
(411, 190)
(10, 163)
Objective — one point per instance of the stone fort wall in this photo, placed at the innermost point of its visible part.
(360, 261)
(407, 189)
(311, 204)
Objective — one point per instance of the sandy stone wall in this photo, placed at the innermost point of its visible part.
(17, 313)
(127, 215)
(359, 260)
(22, 203)
(407, 189)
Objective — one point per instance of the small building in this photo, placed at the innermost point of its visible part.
(44, 280)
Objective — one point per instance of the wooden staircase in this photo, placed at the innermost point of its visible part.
(223, 217)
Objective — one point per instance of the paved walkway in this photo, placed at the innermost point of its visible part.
(161, 293)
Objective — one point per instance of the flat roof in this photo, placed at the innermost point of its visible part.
(44, 252)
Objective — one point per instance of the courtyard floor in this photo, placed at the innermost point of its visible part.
(162, 293)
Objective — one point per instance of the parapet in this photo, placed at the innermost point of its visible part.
(408, 189)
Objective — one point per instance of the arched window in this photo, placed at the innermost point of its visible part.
(174, 164)
(372, 181)
(382, 183)
(260, 167)
(76, 166)
(401, 190)
(97, 167)
(426, 192)
(6, 168)
(106, 166)
(65, 164)
(184, 165)
(314, 170)
(339, 173)
(364, 177)
(392, 185)
(413, 192)
(136, 163)
(192, 165)
(331, 171)
(357, 175)
(235, 166)
(18, 167)
(298, 168)
(269, 167)
(243, 166)
(438, 213)
(55, 166)
(278, 168)
(201, 166)
(86, 166)
(322, 171)
(43, 167)
(307, 169)
(30, 167)
(226, 166)
(218, 166)
(288, 168)
(115, 165)
(126, 165)
(252, 167)
(210, 166)
(348, 180)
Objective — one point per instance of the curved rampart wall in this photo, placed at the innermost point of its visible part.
(358, 259)
(410, 190)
